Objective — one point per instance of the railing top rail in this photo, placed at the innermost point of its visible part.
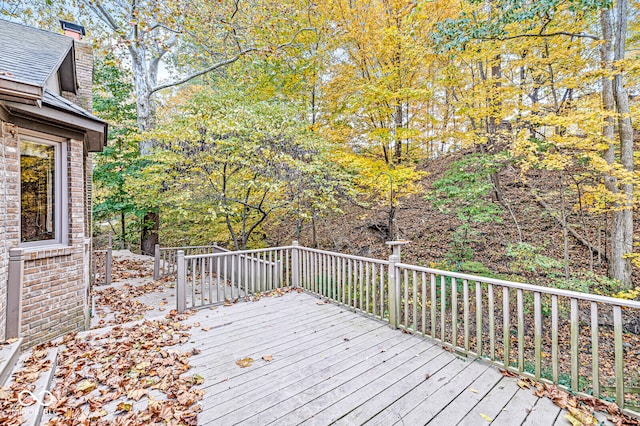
(347, 256)
(529, 287)
(187, 247)
(233, 253)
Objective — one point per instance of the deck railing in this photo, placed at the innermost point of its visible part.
(164, 262)
(576, 340)
(216, 278)
(101, 265)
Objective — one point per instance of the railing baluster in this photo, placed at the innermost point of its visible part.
(382, 292)
(350, 274)
(575, 333)
(478, 318)
(202, 278)
(595, 362)
(270, 270)
(443, 305)
(433, 306)
(423, 298)
(492, 323)
(520, 330)
(374, 289)
(224, 276)
(194, 265)
(537, 312)
(405, 281)
(360, 282)
(181, 291)
(554, 338)
(454, 312)
(245, 274)
(281, 277)
(465, 299)
(619, 355)
(366, 281)
(415, 300)
(233, 278)
(506, 326)
(338, 278)
(218, 279)
(210, 264)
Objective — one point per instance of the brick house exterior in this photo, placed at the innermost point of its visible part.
(47, 134)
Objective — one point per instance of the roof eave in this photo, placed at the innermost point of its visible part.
(95, 129)
(16, 91)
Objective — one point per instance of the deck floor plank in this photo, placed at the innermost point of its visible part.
(545, 412)
(333, 366)
(517, 409)
(324, 407)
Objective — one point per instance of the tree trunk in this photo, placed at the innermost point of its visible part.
(565, 229)
(143, 79)
(616, 99)
(149, 234)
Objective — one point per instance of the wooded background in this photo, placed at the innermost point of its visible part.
(498, 135)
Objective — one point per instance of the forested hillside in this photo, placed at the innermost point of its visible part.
(498, 136)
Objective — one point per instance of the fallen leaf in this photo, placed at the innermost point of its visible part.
(426, 376)
(523, 384)
(268, 358)
(85, 386)
(320, 302)
(473, 390)
(124, 406)
(136, 394)
(197, 379)
(487, 418)
(244, 362)
(205, 328)
(507, 373)
(583, 416)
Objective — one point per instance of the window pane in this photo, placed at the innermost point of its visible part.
(37, 183)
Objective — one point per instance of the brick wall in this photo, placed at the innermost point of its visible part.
(54, 285)
(84, 72)
(54, 291)
(4, 243)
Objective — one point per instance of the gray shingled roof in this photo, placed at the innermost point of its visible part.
(56, 101)
(30, 55)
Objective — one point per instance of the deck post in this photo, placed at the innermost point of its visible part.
(295, 265)
(14, 293)
(181, 289)
(393, 293)
(156, 263)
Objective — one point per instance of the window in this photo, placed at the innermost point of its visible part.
(42, 216)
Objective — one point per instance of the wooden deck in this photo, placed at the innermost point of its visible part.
(333, 366)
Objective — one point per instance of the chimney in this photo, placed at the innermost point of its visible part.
(72, 30)
(84, 65)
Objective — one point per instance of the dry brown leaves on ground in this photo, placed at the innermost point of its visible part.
(278, 292)
(37, 363)
(127, 268)
(121, 301)
(581, 408)
(127, 376)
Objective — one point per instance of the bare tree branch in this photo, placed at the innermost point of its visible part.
(556, 34)
(204, 71)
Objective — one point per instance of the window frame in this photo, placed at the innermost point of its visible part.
(61, 192)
